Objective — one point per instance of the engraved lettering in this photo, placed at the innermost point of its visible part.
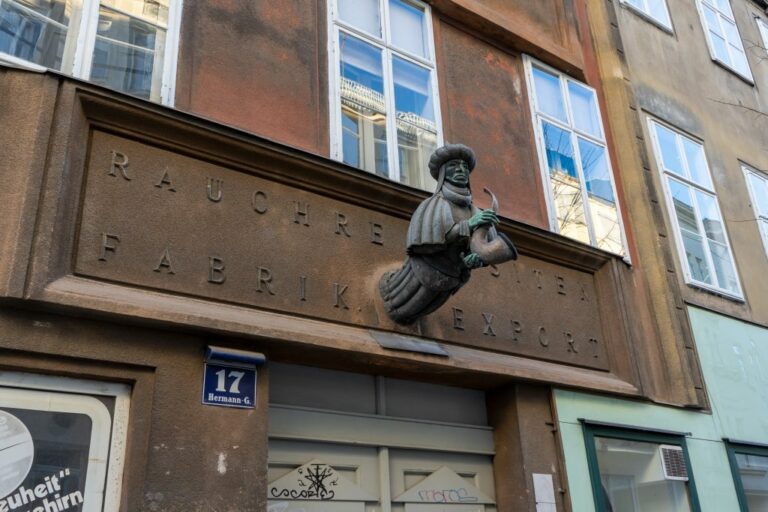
(165, 180)
(488, 329)
(264, 280)
(537, 273)
(119, 163)
(595, 347)
(301, 213)
(303, 288)
(377, 231)
(165, 263)
(338, 292)
(259, 202)
(543, 339)
(216, 273)
(108, 244)
(341, 224)
(571, 342)
(458, 319)
(560, 283)
(517, 328)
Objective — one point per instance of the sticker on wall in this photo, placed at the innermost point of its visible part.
(43, 460)
(16, 452)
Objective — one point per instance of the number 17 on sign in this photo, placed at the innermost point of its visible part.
(229, 386)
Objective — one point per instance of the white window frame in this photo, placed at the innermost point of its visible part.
(78, 52)
(732, 18)
(388, 49)
(645, 13)
(537, 118)
(738, 294)
(86, 388)
(761, 219)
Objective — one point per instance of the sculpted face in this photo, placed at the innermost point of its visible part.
(457, 172)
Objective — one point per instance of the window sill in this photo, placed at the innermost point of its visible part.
(746, 79)
(703, 287)
(645, 16)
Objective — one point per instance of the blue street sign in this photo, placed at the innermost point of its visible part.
(229, 386)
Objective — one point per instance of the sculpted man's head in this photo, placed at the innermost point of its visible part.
(452, 163)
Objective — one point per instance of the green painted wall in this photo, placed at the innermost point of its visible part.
(734, 361)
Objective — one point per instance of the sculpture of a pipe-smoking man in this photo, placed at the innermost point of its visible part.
(447, 237)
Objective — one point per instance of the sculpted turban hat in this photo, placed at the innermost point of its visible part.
(450, 152)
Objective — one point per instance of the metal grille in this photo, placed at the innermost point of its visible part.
(673, 461)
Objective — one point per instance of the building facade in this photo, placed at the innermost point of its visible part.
(686, 112)
(201, 198)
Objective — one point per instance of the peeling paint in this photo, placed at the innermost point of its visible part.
(221, 466)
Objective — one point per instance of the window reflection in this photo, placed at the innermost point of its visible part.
(35, 30)
(753, 470)
(363, 109)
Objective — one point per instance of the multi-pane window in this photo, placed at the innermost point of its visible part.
(637, 471)
(385, 113)
(700, 230)
(723, 36)
(656, 10)
(749, 465)
(758, 190)
(574, 159)
(128, 45)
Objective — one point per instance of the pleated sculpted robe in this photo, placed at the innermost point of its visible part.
(437, 241)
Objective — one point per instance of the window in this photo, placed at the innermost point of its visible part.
(128, 45)
(574, 160)
(749, 464)
(385, 113)
(639, 471)
(763, 27)
(655, 10)
(723, 36)
(692, 202)
(757, 183)
(62, 438)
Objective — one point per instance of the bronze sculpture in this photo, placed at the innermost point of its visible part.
(447, 237)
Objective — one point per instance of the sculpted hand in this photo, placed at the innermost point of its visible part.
(483, 217)
(472, 260)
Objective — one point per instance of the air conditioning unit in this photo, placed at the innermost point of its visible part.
(673, 462)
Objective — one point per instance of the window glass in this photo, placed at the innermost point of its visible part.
(655, 9)
(697, 162)
(658, 10)
(128, 53)
(574, 159)
(35, 30)
(602, 203)
(566, 189)
(363, 14)
(549, 97)
(753, 470)
(416, 130)
(763, 26)
(759, 193)
(407, 27)
(670, 156)
(362, 105)
(693, 242)
(584, 109)
(129, 50)
(633, 478)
